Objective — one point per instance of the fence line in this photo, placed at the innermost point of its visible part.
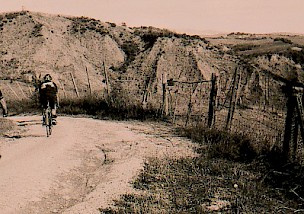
(223, 102)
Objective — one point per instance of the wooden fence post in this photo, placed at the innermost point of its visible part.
(212, 99)
(63, 89)
(294, 120)
(175, 104)
(301, 114)
(107, 79)
(190, 105)
(13, 91)
(21, 90)
(291, 102)
(233, 98)
(75, 87)
(165, 109)
(89, 83)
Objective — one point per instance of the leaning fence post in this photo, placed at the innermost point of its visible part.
(165, 109)
(212, 99)
(300, 112)
(74, 83)
(106, 79)
(21, 90)
(233, 98)
(63, 89)
(13, 91)
(89, 82)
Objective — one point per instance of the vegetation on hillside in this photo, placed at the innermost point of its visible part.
(150, 35)
(81, 25)
(296, 55)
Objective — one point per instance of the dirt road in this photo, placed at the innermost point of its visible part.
(83, 166)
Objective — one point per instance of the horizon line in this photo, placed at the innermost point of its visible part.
(181, 30)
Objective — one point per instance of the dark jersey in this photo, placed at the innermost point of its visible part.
(48, 93)
(48, 89)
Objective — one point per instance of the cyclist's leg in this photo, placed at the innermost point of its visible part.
(4, 107)
(43, 103)
(53, 108)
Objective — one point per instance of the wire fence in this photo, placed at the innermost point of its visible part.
(188, 102)
(258, 110)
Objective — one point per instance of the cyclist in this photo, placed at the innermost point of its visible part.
(3, 104)
(48, 93)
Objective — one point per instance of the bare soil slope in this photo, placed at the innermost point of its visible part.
(83, 166)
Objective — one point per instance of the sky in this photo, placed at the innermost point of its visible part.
(183, 16)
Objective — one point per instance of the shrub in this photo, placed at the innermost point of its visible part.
(37, 30)
(281, 39)
(131, 49)
(222, 144)
(296, 56)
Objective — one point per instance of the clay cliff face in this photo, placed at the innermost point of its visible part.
(33, 44)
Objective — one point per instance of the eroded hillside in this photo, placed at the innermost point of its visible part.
(90, 50)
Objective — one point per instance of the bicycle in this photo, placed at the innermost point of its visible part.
(47, 119)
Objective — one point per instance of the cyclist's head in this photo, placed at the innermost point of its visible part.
(47, 78)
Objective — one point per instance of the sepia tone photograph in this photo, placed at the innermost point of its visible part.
(156, 107)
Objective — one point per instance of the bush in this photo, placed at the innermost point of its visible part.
(37, 30)
(281, 39)
(131, 49)
(296, 56)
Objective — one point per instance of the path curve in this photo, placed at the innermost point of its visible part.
(82, 166)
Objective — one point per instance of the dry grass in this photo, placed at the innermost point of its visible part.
(230, 176)
(202, 186)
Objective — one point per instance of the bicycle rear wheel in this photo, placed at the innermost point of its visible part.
(48, 123)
